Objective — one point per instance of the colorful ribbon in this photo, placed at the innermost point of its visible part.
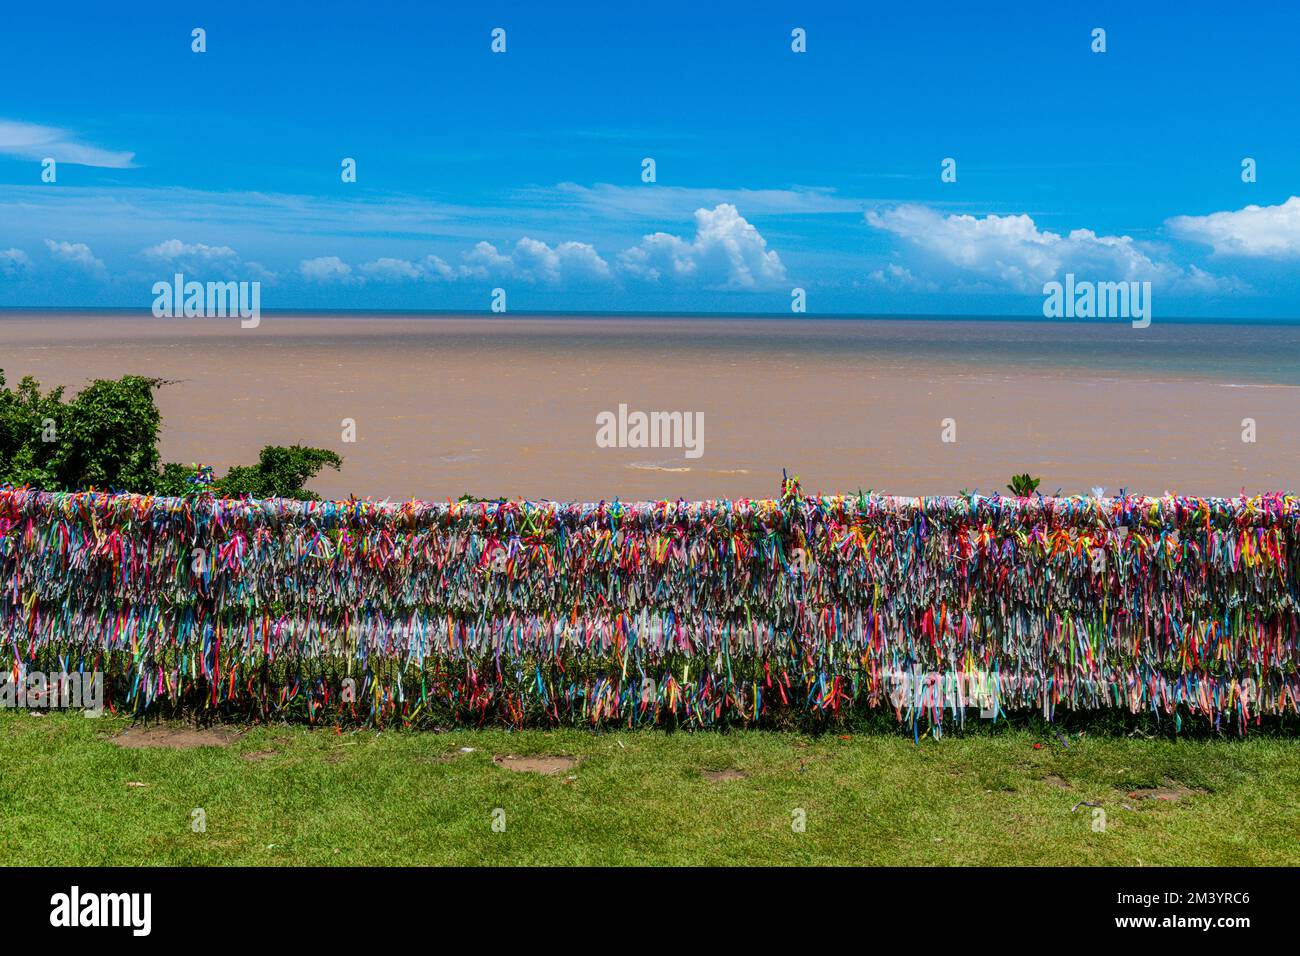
(678, 613)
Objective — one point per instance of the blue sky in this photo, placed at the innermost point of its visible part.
(775, 169)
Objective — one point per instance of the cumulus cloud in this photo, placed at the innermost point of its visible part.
(726, 253)
(325, 269)
(172, 250)
(201, 259)
(1012, 252)
(392, 269)
(429, 269)
(1258, 231)
(14, 262)
(531, 261)
(75, 253)
(30, 141)
(483, 262)
(535, 261)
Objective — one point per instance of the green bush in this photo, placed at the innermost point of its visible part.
(279, 473)
(1023, 486)
(107, 438)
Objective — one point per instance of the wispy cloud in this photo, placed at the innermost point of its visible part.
(656, 201)
(896, 278)
(371, 226)
(253, 221)
(35, 142)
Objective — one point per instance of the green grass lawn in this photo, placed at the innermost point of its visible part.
(293, 795)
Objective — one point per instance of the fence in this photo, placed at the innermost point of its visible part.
(686, 613)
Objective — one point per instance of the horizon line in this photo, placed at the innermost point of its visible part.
(671, 314)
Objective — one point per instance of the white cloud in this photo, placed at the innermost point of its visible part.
(1264, 231)
(76, 253)
(392, 269)
(726, 253)
(30, 141)
(262, 226)
(535, 261)
(1011, 252)
(14, 261)
(531, 261)
(173, 249)
(898, 278)
(271, 223)
(433, 267)
(325, 269)
(483, 262)
(201, 259)
(667, 202)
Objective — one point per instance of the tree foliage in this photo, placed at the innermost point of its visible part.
(280, 472)
(107, 438)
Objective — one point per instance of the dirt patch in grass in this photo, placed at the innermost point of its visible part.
(175, 738)
(722, 776)
(259, 754)
(543, 764)
(1170, 792)
(1059, 782)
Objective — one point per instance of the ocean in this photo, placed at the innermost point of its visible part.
(439, 406)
